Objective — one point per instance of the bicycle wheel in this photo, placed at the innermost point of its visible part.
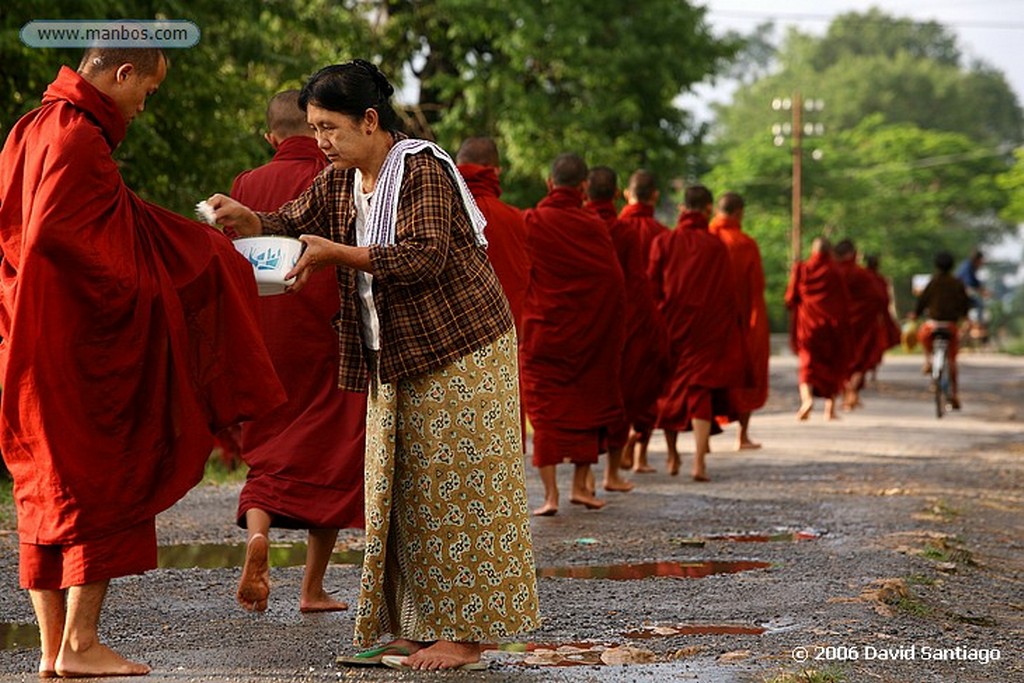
(940, 378)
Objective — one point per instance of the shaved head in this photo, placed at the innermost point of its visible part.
(97, 60)
(603, 183)
(481, 151)
(730, 203)
(568, 170)
(284, 117)
(643, 185)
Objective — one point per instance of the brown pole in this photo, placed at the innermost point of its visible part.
(797, 180)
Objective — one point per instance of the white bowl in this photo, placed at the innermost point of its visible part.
(271, 256)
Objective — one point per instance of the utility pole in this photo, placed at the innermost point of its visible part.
(796, 129)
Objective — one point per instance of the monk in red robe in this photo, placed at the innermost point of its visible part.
(116, 364)
(867, 305)
(693, 284)
(642, 196)
(819, 305)
(305, 458)
(748, 274)
(572, 334)
(645, 353)
(480, 165)
(888, 330)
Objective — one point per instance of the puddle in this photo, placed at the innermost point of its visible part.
(18, 636)
(785, 536)
(695, 630)
(645, 570)
(221, 556)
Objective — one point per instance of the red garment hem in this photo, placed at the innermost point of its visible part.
(56, 567)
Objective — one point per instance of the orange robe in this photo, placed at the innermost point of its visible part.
(571, 348)
(305, 457)
(748, 274)
(819, 328)
(645, 358)
(129, 335)
(693, 284)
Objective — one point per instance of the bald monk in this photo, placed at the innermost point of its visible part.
(866, 306)
(572, 334)
(306, 457)
(645, 353)
(819, 331)
(642, 196)
(748, 274)
(115, 316)
(693, 284)
(479, 163)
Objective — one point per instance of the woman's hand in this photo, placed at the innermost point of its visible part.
(232, 214)
(318, 253)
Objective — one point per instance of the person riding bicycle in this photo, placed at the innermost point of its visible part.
(946, 301)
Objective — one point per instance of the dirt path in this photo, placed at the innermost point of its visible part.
(896, 556)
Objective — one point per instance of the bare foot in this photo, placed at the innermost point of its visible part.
(701, 477)
(94, 661)
(626, 461)
(643, 468)
(321, 602)
(444, 654)
(47, 670)
(748, 445)
(546, 510)
(587, 501)
(673, 465)
(805, 411)
(254, 587)
(618, 485)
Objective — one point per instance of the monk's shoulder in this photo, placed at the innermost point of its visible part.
(77, 138)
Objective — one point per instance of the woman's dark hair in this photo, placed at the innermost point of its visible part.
(351, 89)
(944, 261)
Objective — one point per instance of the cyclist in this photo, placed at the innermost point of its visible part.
(946, 301)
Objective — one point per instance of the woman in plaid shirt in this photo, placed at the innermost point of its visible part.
(423, 320)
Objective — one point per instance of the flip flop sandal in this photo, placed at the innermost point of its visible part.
(397, 662)
(373, 656)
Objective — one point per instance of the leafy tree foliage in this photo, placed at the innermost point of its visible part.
(542, 76)
(914, 144)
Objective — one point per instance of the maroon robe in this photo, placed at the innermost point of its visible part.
(572, 341)
(866, 305)
(305, 458)
(887, 332)
(645, 358)
(693, 284)
(819, 308)
(506, 236)
(640, 217)
(129, 334)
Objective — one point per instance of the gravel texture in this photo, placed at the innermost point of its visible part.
(913, 551)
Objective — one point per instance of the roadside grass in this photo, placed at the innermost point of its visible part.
(830, 675)
(947, 550)
(8, 520)
(218, 474)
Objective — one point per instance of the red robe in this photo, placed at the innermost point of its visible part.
(305, 458)
(506, 236)
(819, 331)
(645, 359)
(571, 347)
(693, 284)
(748, 274)
(129, 332)
(887, 334)
(641, 218)
(867, 303)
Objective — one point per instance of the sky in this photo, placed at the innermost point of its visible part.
(990, 30)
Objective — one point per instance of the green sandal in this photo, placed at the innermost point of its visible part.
(373, 656)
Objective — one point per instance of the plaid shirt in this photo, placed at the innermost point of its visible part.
(436, 294)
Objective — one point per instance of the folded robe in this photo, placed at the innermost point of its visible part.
(129, 332)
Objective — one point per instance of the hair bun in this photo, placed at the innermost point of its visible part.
(379, 79)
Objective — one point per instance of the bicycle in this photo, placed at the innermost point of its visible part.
(941, 336)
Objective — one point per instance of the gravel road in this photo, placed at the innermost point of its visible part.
(885, 546)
